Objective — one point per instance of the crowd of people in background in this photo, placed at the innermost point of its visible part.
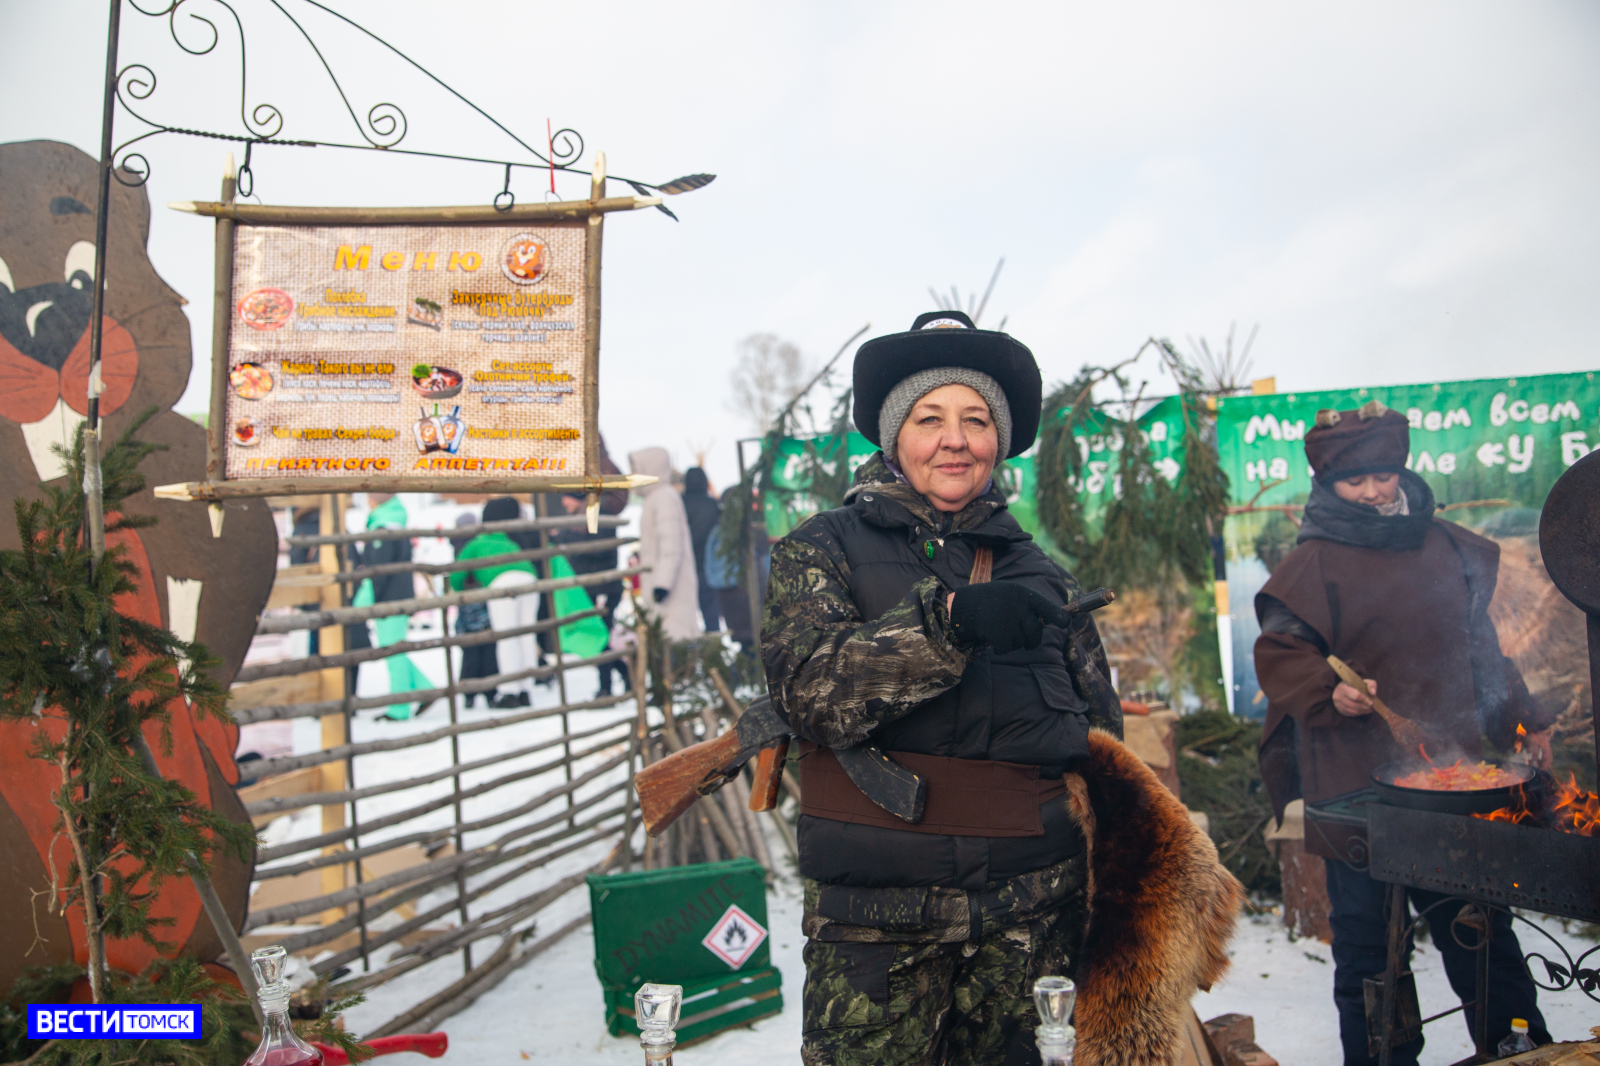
(691, 586)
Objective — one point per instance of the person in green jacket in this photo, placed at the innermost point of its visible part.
(516, 653)
(404, 674)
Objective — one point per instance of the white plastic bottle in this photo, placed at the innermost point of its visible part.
(1517, 1041)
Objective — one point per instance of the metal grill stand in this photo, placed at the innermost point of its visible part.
(1485, 866)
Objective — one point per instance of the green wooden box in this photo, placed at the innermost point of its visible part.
(702, 927)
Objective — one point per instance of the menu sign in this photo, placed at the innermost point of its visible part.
(420, 351)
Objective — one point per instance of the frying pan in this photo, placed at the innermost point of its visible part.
(1472, 801)
(1569, 541)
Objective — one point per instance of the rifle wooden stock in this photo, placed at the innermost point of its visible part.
(769, 775)
(669, 787)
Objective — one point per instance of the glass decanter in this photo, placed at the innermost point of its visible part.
(1054, 997)
(279, 1044)
(655, 1008)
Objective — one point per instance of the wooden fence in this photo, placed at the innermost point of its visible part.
(398, 875)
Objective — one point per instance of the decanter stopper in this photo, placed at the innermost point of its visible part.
(656, 1010)
(268, 963)
(280, 1045)
(1054, 998)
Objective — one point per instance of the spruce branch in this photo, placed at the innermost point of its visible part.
(97, 682)
(1153, 540)
(91, 908)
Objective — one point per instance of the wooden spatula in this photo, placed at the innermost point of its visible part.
(1409, 734)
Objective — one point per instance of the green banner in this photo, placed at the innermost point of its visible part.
(1490, 449)
(789, 503)
(1099, 444)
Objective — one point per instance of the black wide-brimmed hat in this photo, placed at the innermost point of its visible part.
(948, 338)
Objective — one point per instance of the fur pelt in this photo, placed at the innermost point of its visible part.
(1162, 910)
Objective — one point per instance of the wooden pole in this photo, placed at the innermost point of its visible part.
(641, 731)
(455, 762)
(540, 504)
(276, 215)
(248, 488)
(752, 565)
(221, 321)
(347, 615)
(330, 515)
(591, 339)
(93, 510)
(516, 526)
(290, 667)
(284, 763)
(436, 569)
(280, 804)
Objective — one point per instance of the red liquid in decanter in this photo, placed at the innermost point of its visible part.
(284, 1056)
(280, 1046)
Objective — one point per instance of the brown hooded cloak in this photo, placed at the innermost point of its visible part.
(1404, 600)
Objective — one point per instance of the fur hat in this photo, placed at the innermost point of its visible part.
(1369, 440)
(948, 339)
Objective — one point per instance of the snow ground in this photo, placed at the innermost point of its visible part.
(552, 1010)
(1288, 987)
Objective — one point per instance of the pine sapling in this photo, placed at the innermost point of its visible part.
(92, 679)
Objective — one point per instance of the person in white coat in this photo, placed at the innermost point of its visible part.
(669, 586)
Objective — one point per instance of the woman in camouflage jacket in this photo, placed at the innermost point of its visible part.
(921, 620)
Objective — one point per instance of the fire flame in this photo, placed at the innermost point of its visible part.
(1521, 732)
(1577, 810)
(1573, 810)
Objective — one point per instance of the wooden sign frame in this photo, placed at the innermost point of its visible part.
(228, 213)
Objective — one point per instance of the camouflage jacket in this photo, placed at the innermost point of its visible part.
(939, 915)
(838, 676)
(844, 675)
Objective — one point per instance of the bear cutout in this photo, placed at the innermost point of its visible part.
(192, 583)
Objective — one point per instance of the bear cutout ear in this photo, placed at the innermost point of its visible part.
(47, 234)
(1327, 418)
(1370, 410)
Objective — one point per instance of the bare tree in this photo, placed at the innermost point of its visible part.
(770, 372)
(1226, 372)
(951, 301)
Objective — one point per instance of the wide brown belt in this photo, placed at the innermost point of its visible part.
(966, 797)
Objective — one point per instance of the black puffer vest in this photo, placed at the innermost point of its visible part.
(1021, 707)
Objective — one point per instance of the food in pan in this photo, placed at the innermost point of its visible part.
(246, 434)
(435, 382)
(251, 381)
(266, 309)
(1461, 777)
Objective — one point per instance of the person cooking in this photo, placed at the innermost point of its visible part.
(882, 628)
(1403, 597)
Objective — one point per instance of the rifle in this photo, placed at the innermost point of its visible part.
(669, 787)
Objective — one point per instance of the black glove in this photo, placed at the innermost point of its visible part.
(660, 594)
(1005, 614)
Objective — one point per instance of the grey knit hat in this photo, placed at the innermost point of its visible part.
(904, 396)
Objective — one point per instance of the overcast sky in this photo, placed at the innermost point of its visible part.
(1394, 192)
